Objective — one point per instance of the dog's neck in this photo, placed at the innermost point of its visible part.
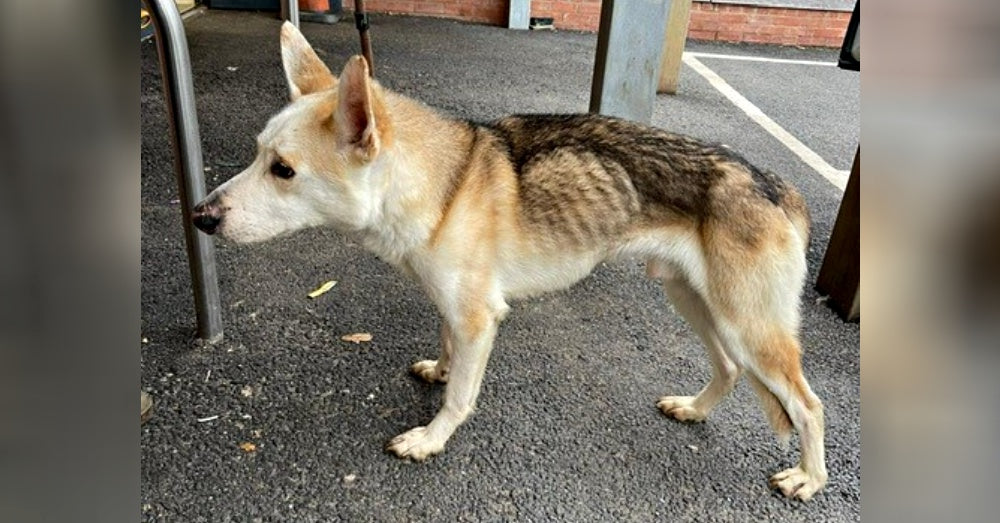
(412, 180)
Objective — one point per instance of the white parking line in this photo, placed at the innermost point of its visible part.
(759, 59)
(837, 177)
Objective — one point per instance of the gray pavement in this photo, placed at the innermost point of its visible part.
(567, 427)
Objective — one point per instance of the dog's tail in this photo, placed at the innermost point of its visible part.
(776, 414)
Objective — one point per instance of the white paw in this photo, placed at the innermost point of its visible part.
(680, 407)
(429, 372)
(798, 484)
(415, 444)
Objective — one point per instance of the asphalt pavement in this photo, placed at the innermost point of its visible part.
(283, 421)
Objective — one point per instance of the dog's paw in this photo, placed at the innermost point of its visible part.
(429, 372)
(680, 407)
(796, 483)
(416, 444)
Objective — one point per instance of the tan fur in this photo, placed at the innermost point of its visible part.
(776, 414)
(480, 214)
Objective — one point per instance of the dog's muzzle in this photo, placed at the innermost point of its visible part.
(207, 215)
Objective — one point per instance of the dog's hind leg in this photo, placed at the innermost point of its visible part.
(775, 363)
(755, 303)
(725, 372)
(436, 371)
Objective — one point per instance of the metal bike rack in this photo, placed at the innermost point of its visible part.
(290, 11)
(178, 90)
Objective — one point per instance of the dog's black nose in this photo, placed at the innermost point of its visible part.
(207, 216)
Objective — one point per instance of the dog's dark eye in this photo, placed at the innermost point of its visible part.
(281, 170)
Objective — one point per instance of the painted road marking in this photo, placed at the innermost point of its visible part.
(837, 177)
(759, 59)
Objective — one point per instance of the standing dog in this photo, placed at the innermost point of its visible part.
(479, 214)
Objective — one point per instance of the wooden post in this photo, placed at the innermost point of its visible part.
(673, 45)
(626, 64)
(840, 275)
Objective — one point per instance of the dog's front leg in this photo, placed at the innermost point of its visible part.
(436, 371)
(471, 338)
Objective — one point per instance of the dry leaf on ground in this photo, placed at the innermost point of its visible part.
(322, 289)
(357, 337)
(248, 447)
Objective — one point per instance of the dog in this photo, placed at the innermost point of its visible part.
(480, 214)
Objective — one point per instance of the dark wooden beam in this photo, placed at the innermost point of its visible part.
(840, 275)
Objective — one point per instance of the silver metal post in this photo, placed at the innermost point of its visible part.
(627, 63)
(178, 88)
(290, 11)
(519, 14)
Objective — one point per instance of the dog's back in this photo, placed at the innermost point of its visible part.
(586, 179)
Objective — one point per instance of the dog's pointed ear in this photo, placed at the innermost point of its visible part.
(305, 72)
(360, 117)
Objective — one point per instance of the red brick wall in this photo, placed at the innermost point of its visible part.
(709, 21)
(492, 12)
(578, 15)
(767, 25)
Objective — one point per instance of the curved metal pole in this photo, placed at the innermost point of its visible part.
(178, 89)
(290, 11)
